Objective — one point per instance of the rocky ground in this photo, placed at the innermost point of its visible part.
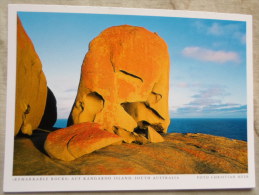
(178, 154)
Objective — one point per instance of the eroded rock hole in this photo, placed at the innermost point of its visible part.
(89, 106)
(154, 111)
(26, 128)
(28, 109)
(81, 105)
(96, 96)
(158, 127)
(143, 124)
(144, 115)
(141, 110)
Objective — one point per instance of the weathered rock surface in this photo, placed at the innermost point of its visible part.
(31, 86)
(75, 141)
(178, 154)
(124, 82)
(153, 136)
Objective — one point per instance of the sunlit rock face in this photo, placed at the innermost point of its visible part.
(124, 84)
(31, 85)
(75, 141)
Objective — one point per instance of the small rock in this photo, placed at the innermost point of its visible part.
(153, 136)
(128, 137)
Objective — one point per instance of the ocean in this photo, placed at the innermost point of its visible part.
(230, 128)
(235, 128)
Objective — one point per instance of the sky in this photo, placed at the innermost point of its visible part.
(207, 58)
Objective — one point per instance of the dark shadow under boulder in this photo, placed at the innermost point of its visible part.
(50, 114)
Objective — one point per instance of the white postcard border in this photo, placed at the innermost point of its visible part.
(121, 182)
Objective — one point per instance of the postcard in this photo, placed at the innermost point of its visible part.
(107, 99)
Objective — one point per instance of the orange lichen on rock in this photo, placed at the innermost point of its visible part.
(31, 85)
(73, 142)
(124, 81)
(179, 154)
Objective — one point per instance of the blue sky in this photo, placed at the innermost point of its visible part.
(208, 58)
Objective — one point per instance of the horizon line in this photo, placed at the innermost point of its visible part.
(192, 118)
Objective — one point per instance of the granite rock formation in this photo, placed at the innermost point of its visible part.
(31, 85)
(178, 154)
(122, 97)
(124, 84)
(73, 142)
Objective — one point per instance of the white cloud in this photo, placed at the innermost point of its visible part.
(240, 36)
(207, 102)
(182, 85)
(64, 107)
(243, 39)
(208, 55)
(216, 29)
(219, 29)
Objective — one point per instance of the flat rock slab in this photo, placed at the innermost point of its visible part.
(77, 140)
(178, 154)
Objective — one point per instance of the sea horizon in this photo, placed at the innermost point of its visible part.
(192, 118)
(232, 128)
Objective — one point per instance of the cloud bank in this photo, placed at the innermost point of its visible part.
(208, 55)
(208, 102)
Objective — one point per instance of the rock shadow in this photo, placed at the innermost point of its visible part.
(49, 117)
(48, 120)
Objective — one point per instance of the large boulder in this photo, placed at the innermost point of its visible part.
(75, 141)
(124, 82)
(31, 85)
